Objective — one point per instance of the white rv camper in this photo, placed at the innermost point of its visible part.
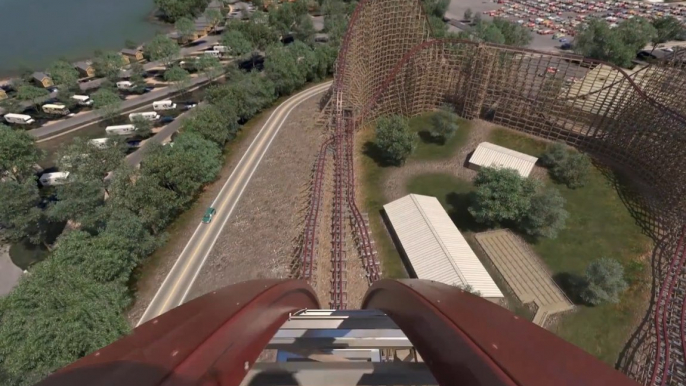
(124, 85)
(100, 143)
(83, 100)
(163, 105)
(149, 115)
(120, 130)
(20, 119)
(54, 108)
(52, 179)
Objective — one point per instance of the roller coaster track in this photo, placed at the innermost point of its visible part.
(669, 326)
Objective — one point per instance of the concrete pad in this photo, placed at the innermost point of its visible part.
(9, 273)
(524, 273)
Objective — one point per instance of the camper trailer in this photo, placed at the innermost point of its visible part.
(57, 109)
(52, 179)
(163, 105)
(124, 85)
(83, 100)
(100, 143)
(20, 119)
(216, 54)
(149, 115)
(221, 49)
(120, 130)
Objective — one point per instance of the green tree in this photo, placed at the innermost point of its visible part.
(143, 127)
(108, 64)
(573, 171)
(78, 201)
(287, 15)
(137, 76)
(178, 77)
(162, 48)
(436, 8)
(258, 30)
(438, 27)
(488, 32)
(567, 166)
(11, 105)
(30, 93)
(212, 123)
(514, 34)
(326, 60)
(468, 13)
(175, 9)
(501, 195)
(214, 16)
(335, 19)
(248, 93)
(64, 96)
(546, 216)
(394, 139)
(667, 28)
(107, 102)
(90, 162)
(192, 162)
(124, 224)
(56, 315)
(210, 66)
(18, 154)
(282, 67)
(443, 124)
(185, 26)
(604, 282)
(144, 196)
(237, 43)
(64, 73)
(20, 217)
(597, 40)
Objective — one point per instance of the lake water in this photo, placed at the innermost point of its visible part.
(36, 32)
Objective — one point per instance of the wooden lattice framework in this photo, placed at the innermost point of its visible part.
(633, 122)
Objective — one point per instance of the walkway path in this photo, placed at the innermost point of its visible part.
(9, 273)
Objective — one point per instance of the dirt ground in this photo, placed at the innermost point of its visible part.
(258, 241)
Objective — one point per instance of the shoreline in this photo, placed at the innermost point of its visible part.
(151, 18)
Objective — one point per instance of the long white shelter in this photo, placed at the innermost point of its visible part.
(494, 156)
(435, 247)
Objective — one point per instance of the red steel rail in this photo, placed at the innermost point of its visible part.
(663, 307)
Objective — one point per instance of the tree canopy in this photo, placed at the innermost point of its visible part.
(179, 77)
(64, 73)
(107, 102)
(604, 282)
(394, 139)
(31, 93)
(162, 48)
(566, 165)
(20, 216)
(619, 45)
(108, 64)
(185, 26)
(667, 28)
(501, 195)
(546, 215)
(501, 31)
(212, 123)
(55, 316)
(172, 10)
(257, 31)
(18, 153)
(237, 43)
(443, 124)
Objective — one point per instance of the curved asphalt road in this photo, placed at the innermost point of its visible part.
(177, 284)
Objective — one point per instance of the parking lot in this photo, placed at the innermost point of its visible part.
(553, 22)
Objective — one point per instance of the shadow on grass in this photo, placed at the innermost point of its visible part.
(373, 151)
(427, 138)
(458, 211)
(572, 285)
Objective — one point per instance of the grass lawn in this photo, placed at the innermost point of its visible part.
(599, 226)
(427, 149)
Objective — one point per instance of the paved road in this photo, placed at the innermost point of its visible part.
(179, 281)
(93, 116)
(199, 45)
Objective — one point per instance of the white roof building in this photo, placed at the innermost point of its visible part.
(435, 247)
(494, 156)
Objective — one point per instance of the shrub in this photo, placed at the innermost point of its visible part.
(604, 282)
(443, 124)
(546, 216)
(394, 139)
(566, 166)
(501, 195)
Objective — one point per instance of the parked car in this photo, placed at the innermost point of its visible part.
(189, 105)
(166, 119)
(209, 213)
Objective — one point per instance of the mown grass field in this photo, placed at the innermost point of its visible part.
(599, 225)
